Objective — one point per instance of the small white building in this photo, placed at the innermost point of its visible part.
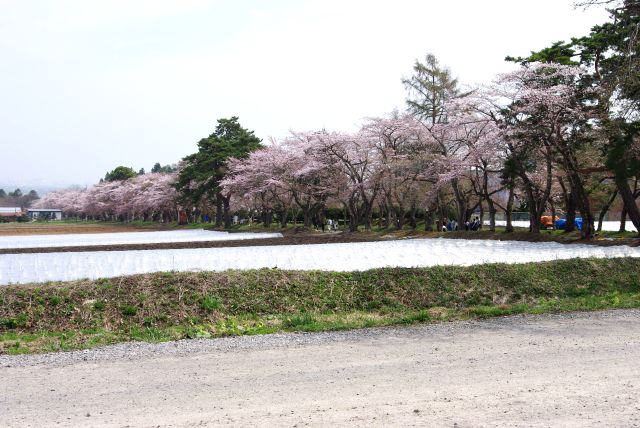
(44, 214)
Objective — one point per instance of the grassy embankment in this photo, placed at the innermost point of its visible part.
(167, 306)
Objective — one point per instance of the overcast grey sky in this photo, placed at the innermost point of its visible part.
(89, 85)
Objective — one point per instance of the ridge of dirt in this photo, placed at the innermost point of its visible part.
(287, 240)
(309, 237)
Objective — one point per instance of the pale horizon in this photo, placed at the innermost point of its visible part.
(88, 86)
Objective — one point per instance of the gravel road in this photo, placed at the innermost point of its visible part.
(579, 369)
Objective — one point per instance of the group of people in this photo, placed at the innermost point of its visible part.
(452, 225)
(330, 225)
(325, 224)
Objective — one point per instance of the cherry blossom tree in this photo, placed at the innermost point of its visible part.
(397, 139)
(484, 151)
(358, 168)
(292, 171)
(261, 178)
(544, 119)
(146, 197)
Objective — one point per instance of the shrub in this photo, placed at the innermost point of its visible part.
(211, 303)
(129, 311)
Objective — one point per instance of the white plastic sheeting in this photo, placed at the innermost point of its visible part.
(39, 267)
(608, 226)
(122, 238)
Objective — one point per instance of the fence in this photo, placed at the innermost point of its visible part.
(515, 216)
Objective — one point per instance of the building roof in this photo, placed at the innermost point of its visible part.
(10, 209)
(45, 210)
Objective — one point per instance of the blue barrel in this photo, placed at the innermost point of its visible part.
(561, 224)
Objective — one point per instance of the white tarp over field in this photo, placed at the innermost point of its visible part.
(122, 238)
(39, 267)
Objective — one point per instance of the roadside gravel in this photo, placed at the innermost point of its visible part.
(132, 351)
(573, 369)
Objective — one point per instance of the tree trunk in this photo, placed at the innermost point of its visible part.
(226, 202)
(509, 211)
(219, 210)
(353, 224)
(587, 222)
(442, 221)
(629, 201)
(492, 215)
(570, 225)
(605, 209)
(461, 203)
(400, 215)
(537, 207)
(534, 220)
(344, 215)
(412, 218)
(284, 214)
(584, 205)
(307, 217)
(390, 211)
(296, 215)
(428, 221)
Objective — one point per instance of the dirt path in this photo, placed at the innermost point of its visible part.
(302, 239)
(559, 370)
(53, 228)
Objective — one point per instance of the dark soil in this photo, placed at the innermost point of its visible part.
(300, 239)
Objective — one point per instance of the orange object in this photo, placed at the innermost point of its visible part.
(547, 220)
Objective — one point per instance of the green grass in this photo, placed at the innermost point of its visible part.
(211, 303)
(171, 305)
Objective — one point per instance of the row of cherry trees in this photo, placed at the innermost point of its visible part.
(148, 197)
(532, 137)
(556, 136)
(529, 136)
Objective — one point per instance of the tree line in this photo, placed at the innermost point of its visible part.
(17, 198)
(560, 134)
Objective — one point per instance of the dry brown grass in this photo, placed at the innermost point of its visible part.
(173, 299)
(53, 228)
